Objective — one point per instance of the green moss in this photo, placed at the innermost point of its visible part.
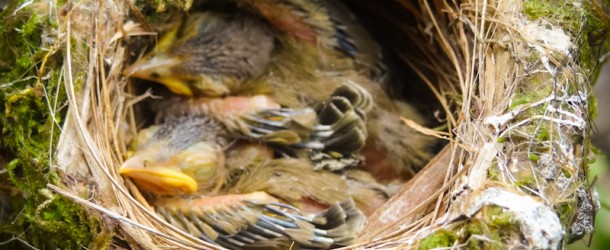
(525, 179)
(30, 72)
(465, 236)
(519, 100)
(559, 13)
(593, 159)
(565, 211)
(566, 173)
(475, 228)
(596, 30)
(535, 89)
(592, 107)
(542, 134)
(589, 21)
(441, 238)
(494, 173)
(498, 217)
(102, 240)
(480, 227)
(533, 156)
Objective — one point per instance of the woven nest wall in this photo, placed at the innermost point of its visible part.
(510, 79)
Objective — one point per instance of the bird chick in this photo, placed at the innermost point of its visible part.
(249, 200)
(296, 53)
(208, 54)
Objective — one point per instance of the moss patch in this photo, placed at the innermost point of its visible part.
(478, 227)
(589, 21)
(477, 233)
(442, 238)
(30, 86)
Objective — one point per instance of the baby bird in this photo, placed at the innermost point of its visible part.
(295, 52)
(208, 54)
(238, 195)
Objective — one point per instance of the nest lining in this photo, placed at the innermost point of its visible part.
(516, 105)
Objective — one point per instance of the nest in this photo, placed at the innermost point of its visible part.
(510, 89)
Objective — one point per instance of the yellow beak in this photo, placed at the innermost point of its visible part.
(159, 69)
(160, 180)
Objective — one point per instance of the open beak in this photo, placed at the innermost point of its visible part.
(159, 180)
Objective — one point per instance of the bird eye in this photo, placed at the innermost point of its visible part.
(200, 161)
(201, 170)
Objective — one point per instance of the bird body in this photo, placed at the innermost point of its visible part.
(251, 199)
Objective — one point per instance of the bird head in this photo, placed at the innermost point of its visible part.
(179, 157)
(207, 54)
(160, 64)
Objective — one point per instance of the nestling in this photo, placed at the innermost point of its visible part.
(251, 199)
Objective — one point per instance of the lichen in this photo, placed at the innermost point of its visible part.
(31, 98)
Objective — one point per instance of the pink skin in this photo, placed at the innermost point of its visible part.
(231, 105)
(239, 105)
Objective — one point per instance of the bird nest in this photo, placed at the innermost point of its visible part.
(509, 82)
